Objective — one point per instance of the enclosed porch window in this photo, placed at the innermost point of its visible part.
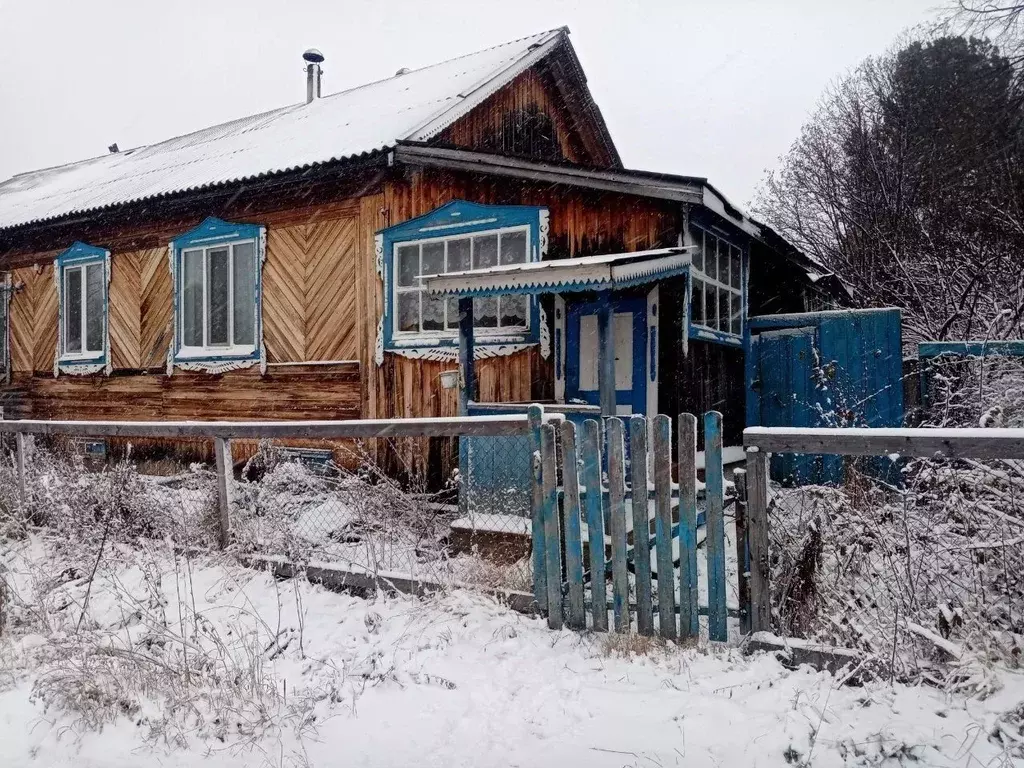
(717, 284)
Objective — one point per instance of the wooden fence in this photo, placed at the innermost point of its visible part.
(569, 493)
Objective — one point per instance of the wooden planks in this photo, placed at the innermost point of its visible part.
(714, 482)
(45, 323)
(641, 525)
(552, 539)
(689, 617)
(662, 447)
(571, 526)
(617, 513)
(591, 449)
(124, 318)
(155, 307)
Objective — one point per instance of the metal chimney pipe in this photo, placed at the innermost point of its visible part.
(313, 58)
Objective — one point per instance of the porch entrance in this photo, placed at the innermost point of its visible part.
(629, 339)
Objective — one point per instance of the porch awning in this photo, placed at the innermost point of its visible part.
(589, 273)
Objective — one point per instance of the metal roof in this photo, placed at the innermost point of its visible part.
(412, 106)
(587, 273)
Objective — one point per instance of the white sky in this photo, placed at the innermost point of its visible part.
(717, 89)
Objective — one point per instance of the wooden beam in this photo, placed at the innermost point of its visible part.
(606, 356)
(225, 481)
(467, 375)
(757, 536)
(975, 443)
(1004, 348)
(279, 430)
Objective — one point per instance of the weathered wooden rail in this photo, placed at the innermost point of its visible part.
(222, 432)
(973, 443)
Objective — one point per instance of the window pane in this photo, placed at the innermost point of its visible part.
(485, 252)
(409, 311)
(698, 255)
(433, 313)
(244, 267)
(723, 263)
(736, 314)
(408, 264)
(73, 310)
(697, 316)
(217, 285)
(710, 306)
(458, 256)
(735, 273)
(94, 308)
(485, 312)
(433, 259)
(192, 299)
(513, 311)
(513, 248)
(723, 310)
(710, 257)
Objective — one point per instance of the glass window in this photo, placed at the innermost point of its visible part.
(83, 310)
(718, 294)
(217, 306)
(418, 312)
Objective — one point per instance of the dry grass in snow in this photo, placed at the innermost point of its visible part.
(176, 661)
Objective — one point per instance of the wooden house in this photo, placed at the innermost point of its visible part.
(272, 267)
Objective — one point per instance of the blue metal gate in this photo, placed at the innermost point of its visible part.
(824, 369)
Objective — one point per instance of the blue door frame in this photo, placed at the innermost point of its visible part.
(636, 398)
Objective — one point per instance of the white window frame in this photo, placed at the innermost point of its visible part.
(217, 350)
(84, 353)
(702, 276)
(446, 332)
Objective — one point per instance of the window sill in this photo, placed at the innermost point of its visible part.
(701, 333)
(192, 354)
(86, 359)
(480, 338)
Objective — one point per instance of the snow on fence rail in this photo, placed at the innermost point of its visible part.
(954, 443)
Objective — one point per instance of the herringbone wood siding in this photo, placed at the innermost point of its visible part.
(309, 292)
(124, 323)
(33, 319)
(154, 307)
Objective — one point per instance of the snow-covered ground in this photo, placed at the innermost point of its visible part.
(200, 662)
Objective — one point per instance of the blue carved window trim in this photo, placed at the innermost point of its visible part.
(80, 256)
(216, 232)
(452, 220)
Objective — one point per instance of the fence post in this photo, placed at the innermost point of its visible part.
(571, 516)
(535, 416)
(595, 522)
(714, 493)
(662, 450)
(552, 541)
(225, 477)
(689, 616)
(20, 442)
(757, 535)
(641, 525)
(742, 551)
(617, 512)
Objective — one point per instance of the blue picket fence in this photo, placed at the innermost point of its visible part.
(595, 497)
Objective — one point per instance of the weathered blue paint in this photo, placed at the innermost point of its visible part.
(571, 526)
(211, 232)
(535, 415)
(662, 449)
(635, 398)
(453, 219)
(552, 537)
(689, 619)
(82, 254)
(714, 483)
(617, 510)
(824, 369)
(641, 525)
(592, 499)
(467, 372)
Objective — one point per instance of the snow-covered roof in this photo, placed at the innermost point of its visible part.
(412, 106)
(586, 273)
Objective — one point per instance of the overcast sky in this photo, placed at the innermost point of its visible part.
(717, 89)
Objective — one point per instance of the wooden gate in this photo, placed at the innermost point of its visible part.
(632, 547)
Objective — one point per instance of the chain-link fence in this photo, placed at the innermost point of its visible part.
(374, 505)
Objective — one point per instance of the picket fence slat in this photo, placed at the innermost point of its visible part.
(595, 521)
(641, 525)
(552, 543)
(742, 550)
(663, 525)
(617, 509)
(535, 417)
(571, 519)
(757, 534)
(689, 616)
(714, 482)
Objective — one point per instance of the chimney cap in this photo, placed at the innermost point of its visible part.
(313, 56)
(402, 71)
